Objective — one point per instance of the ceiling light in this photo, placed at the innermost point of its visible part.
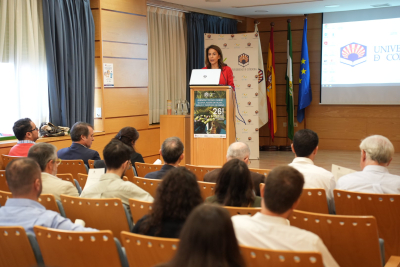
(381, 5)
(213, 0)
(332, 6)
(261, 11)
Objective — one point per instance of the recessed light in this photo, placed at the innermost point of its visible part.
(213, 0)
(332, 6)
(381, 5)
(261, 11)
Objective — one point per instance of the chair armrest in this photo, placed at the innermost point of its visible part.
(394, 261)
(78, 187)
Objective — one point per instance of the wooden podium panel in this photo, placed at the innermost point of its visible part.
(212, 151)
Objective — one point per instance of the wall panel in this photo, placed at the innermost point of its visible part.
(96, 18)
(129, 6)
(98, 73)
(113, 125)
(149, 142)
(111, 49)
(129, 72)
(126, 102)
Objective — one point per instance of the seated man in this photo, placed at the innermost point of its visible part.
(117, 157)
(45, 155)
(27, 133)
(305, 148)
(172, 153)
(376, 154)
(82, 138)
(270, 228)
(23, 209)
(241, 151)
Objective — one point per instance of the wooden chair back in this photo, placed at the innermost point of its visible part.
(66, 177)
(148, 185)
(313, 200)
(200, 171)
(384, 207)
(147, 251)
(348, 238)
(6, 159)
(15, 248)
(260, 171)
(82, 178)
(91, 163)
(139, 208)
(144, 168)
(49, 202)
(102, 214)
(72, 166)
(78, 249)
(206, 189)
(258, 257)
(242, 210)
(129, 173)
(4, 195)
(3, 181)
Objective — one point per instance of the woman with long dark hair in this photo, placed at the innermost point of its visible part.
(207, 240)
(129, 136)
(234, 186)
(177, 195)
(215, 60)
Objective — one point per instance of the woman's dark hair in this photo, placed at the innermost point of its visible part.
(221, 63)
(234, 185)
(126, 135)
(177, 195)
(207, 240)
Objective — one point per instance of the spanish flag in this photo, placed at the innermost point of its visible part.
(271, 87)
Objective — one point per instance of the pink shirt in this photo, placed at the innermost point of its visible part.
(20, 150)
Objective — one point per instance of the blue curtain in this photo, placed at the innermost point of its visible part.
(197, 25)
(69, 40)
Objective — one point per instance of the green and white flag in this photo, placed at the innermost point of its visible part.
(289, 85)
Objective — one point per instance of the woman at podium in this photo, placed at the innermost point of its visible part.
(214, 60)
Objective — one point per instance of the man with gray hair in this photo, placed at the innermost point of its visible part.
(45, 155)
(376, 154)
(241, 151)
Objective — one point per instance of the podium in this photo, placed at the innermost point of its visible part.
(210, 149)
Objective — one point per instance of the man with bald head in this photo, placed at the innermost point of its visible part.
(376, 155)
(241, 151)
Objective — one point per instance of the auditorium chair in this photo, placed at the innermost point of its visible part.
(200, 171)
(4, 195)
(6, 159)
(242, 210)
(148, 185)
(260, 171)
(147, 251)
(313, 200)
(258, 257)
(352, 240)
(384, 207)
(69, 178)
(139, 208)
(50, 203)
(206, 189)
(72, 166)
(102, 214)
(79, 249)
(144, 168)
(17, 248)
(82, 178)
(3, 181)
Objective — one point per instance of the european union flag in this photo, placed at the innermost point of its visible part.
(305, 95)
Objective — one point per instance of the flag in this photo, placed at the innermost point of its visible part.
(271, 88)
(262, 92)
(289, 85)
(305, 95)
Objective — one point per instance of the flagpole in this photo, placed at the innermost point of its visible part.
(288, 144)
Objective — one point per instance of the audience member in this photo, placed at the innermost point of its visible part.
(172, 153)
(376, 154)
(270, 228)
(27, 133)
(23, 209)
(234, 186)
(305, 148)
(129, 136)
(45, 155)
(82, 138)
(207, 240)
(241, 151)
(177, 195)
(117, 157)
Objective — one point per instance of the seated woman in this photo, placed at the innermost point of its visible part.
(177, 195)
(207, 240)
(234, 186)
(129, 136)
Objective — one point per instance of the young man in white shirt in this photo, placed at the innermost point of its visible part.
(305, 148)
(376, 155)
(270, 228)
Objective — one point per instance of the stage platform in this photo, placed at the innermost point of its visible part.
(324, 159)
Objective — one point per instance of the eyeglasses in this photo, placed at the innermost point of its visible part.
(36, 128)
(58, 161)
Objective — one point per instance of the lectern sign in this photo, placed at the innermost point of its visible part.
(210, 114)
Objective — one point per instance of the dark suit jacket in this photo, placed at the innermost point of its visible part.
(257, 178)
(78, 151)
(159, 174)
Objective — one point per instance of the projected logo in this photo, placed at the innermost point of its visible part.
(353, 54)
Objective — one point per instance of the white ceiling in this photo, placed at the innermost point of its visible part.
(275, 8)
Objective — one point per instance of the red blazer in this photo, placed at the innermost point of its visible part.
(226, 77)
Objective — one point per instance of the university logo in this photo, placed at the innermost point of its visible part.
(256, 94)
(248, 44)
(244, 77)
(243, 60)
(256, 111)
(249, 85)
(221, 35)
(260, 75)
(256, 129)
(353, 54)
(249, 103)
(256, 76)
(244, 130)
(225, 44)
(209, 36)
(249, 138)
(232, 35)
(249, 120)
(256, 34)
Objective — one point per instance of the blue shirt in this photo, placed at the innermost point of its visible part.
(28, 213)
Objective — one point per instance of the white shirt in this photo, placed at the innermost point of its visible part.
(56, 186)
(316, 177)
(273, 232)
(112, 186)
(373, 179)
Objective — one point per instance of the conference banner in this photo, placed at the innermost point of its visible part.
(241, 52)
